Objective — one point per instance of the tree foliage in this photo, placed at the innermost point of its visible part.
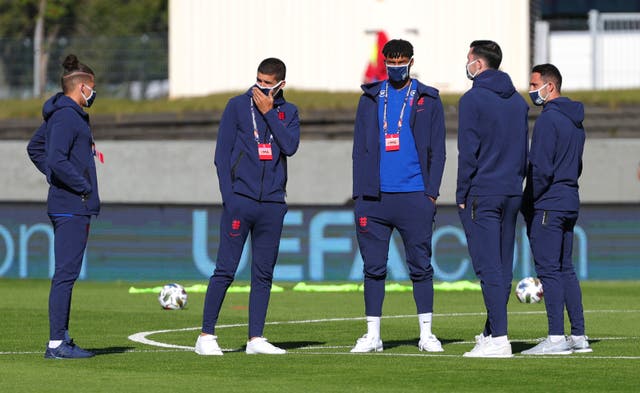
(113, 36)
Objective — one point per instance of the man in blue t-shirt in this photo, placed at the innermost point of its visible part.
(398, 160)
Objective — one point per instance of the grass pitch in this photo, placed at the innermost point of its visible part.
(317, 329)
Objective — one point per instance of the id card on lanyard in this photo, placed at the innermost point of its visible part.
(264, 152)
(264, 149)
(391, 142)
(97, 153)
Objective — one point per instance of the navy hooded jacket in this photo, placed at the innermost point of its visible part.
(238, 165)
(555, 158)
(492, 138)
(62, 149)
(427, 126)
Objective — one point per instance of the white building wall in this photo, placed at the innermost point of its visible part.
(571, 53)
(216, 45)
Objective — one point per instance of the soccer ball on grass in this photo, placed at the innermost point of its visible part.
(173, 297)
(529, 290)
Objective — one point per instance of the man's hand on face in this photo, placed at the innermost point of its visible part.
(264, 103)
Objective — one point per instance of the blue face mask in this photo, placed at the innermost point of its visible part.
(266, 90)
(89, 100)
(398, 73)
(536, 97)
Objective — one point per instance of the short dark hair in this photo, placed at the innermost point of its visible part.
(74, 73)
(397, 48)
(489, 51)
(273, 66)
(549, 72)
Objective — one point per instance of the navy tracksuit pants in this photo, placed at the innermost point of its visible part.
(412, 214)
(70, 240)
(551, 237)
(240, 216)
(490, 226)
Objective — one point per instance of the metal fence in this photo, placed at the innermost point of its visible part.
(604, 56)
(615, 41)
(132, 67)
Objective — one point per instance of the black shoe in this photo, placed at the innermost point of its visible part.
(67, 350)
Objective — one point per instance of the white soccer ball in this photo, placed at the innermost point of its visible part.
(173, 297)
(529, 290)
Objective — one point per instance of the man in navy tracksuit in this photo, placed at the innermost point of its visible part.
(398, 160)
(492, 154)
(258, 131)
(63, 150)
(550, 206)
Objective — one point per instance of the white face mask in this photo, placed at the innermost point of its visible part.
(266, 90)
(88, 99)
(536, 97)
(469, 74)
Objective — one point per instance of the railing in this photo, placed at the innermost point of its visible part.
(607, 56)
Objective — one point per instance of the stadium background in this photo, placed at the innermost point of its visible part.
(161, 202)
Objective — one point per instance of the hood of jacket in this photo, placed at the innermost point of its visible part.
(496, 81)
(60, 101)
(572, 109)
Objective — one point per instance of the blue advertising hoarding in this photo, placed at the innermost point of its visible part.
(173, 242)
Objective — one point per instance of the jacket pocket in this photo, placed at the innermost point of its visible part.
(235, 165)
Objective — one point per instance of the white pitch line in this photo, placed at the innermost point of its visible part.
(576, 356)
(141, 337)
(388, 354)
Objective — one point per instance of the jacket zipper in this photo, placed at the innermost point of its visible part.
(262, 179)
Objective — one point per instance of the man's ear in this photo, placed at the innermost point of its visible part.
(551, 87)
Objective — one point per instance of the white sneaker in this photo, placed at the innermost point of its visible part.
(430, 344)
(579, 344)
(486, 347)
(208, 345)
(481, 340)
(260, 346)
(548, 347)
(367, 344)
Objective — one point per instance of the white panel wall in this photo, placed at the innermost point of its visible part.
(216, 45)
(319, 173)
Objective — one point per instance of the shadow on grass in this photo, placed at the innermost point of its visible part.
(110, 350)
(414, 342)
(297, 344)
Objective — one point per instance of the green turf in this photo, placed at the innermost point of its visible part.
(104, 315)
(307, 101)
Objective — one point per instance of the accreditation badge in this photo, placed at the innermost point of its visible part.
(392, 142)
(264, 152)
